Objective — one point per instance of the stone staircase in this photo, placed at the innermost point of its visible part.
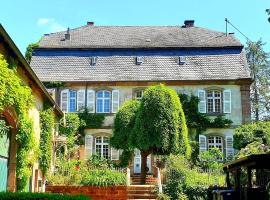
(136, 179)
(141, 192)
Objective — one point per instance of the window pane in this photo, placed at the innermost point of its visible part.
(98, 150)
(107, 94)
(106, 151)
(100, 94)
(72, 101)
(107, 105)
(99, 105)
(210, 105)
(105, 140)
(99, 140)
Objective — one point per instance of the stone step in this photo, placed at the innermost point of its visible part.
(142, 192)
(142, 196)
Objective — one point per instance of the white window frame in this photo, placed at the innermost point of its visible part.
(215, 144)
(102, 144)
(214, 100)
(103, 98)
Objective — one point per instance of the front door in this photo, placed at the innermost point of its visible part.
(4, 149)
(137, 162)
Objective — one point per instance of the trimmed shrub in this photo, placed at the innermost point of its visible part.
(39, 196)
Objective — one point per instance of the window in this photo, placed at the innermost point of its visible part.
(138, 95)
(102, 146)
(72, 101)
(215, 142)
(103, 100)
(214, 101)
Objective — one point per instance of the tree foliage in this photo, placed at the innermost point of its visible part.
(123, 125)
(268, 12)
(156, 125)
(260, 71)
(15, 94)
(255, 147)
(246, 134)
(160, 125)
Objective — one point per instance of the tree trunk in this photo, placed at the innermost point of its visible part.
(144, 155)
(256, 99)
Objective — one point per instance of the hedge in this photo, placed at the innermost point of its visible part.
(39, 196)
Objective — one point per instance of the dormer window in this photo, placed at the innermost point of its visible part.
(182, 60)
(93, 61)
(139, 60)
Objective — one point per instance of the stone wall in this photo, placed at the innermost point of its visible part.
(95, 192)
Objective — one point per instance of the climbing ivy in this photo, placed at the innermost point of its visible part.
(46, 136)
(29, 51)
(15, 94)
(3, 128)
(199, 121)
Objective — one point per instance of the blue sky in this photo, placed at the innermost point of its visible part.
(26, 21)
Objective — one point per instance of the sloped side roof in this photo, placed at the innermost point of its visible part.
(138, 37)
(27, 68)
(154, 68)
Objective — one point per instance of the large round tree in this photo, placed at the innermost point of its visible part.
(156, 125)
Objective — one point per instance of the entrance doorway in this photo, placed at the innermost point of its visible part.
(137, 162)
(4, 156)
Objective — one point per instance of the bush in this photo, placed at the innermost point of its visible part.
(249, 133)
(163, 197)
(39, 196)
(184, 182)
(79, 173)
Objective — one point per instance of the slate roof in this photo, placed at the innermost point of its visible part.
(154, 68)
(138, 37)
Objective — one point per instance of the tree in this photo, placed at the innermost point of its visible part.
(250, 135)
(160, 126)
(156, 125)
(124, 123)
(260, 71)
(268, 12)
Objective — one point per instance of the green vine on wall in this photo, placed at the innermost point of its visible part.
(15, 94)
(46, 137)
(199, 121)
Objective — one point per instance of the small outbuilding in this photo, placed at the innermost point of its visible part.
(249, 177)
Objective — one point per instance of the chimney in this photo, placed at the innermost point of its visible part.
(90, 23)
(189, 23)
(67, 35)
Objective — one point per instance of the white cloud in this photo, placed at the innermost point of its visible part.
(42, 21)
(50, 24)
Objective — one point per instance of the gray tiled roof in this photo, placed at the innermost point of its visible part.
(138, 37)
(154, 68)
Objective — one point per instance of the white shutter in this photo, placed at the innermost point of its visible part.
(115, 154)
(202, 143)
(202, 103)
(64, 100)
(88, 146)
(229, 147)
(115, 101)
(80, 100)
(91, 101)
(227, 101)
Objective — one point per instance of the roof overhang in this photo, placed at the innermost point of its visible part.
(27, 67)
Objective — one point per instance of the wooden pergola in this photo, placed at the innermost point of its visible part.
(249, 176)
